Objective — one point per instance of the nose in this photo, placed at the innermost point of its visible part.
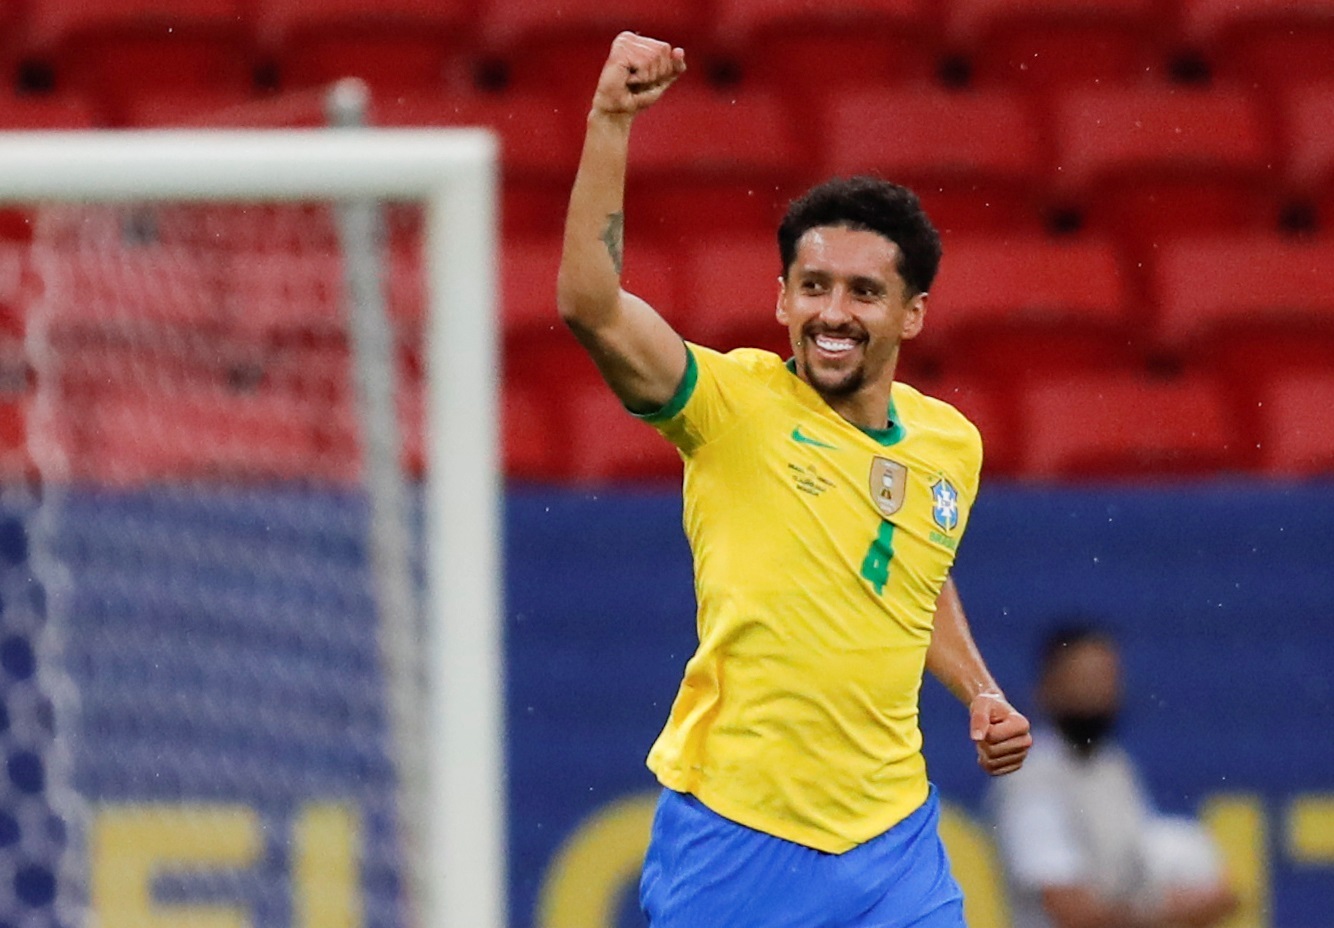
(836, 309)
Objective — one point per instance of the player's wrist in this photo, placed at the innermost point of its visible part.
(609, 116)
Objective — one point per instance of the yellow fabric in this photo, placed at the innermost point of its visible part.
(797, 714)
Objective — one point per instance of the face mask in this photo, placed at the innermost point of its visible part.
(1086, 731)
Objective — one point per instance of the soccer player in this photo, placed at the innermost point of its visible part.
(823, 503)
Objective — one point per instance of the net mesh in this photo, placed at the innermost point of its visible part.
(197, 720)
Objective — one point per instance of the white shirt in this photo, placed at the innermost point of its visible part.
(1069, 820)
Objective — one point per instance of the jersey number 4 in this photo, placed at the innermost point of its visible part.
(875, 566)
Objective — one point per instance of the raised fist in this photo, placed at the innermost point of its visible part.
(638, 71)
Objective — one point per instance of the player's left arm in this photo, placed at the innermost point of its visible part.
(1000, 731)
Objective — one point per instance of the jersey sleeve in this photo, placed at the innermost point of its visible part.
(716, 392)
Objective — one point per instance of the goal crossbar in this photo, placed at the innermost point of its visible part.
(452, 172)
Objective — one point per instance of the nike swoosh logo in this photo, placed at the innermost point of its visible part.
(803, 439)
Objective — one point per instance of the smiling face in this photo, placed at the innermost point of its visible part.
(847, 310)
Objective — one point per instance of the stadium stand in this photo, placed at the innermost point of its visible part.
(539, 133)
(712, 160)
(807, 49)
(561, 46)
(605, 444)
(1262, 42)
(1297, 430)
(1308, 114)
(1235, 287)
(1123, 424)
(1254, 310)
(1145, 163)
(1013, 120)
(1018, 307)
(528, 438)
(393, 45)
(1041, 45)
(115, 51)
(730, 292)
(976, 157)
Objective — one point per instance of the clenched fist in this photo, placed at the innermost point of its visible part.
(638, 71)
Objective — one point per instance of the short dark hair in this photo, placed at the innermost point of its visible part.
(872, 204)
(1068, 634)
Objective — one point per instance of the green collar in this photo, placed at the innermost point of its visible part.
(890, 435)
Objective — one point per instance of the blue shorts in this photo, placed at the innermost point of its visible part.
(706, 871)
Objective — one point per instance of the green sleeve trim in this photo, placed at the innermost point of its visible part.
(682, 395)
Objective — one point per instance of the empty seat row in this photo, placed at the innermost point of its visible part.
(1108, 424)
(1135, 162)
(144, 59)
(125, 416)
(1074, 298)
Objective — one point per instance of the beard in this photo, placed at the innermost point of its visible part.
(827, 381)
(836, 384)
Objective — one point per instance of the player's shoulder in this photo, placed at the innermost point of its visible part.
(917, 409)
(752, 362)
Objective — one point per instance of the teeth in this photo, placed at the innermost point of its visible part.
(830, 343)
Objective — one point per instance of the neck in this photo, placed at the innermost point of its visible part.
(866, 409)
(868, 406)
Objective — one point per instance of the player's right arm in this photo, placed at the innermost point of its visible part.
(638, 353)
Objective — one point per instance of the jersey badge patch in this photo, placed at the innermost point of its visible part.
(889, 485)
(945, 504)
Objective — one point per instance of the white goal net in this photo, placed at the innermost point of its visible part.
(248, 539)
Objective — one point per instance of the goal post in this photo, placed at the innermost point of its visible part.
(458, 878)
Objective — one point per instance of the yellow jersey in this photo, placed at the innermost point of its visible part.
(819, 551)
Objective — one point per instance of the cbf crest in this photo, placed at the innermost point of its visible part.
(945, 504)
(889, 485)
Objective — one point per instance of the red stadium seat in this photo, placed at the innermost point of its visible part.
(128, 437)
(1309, 112)
(604, 443)
(1252, 309)
(731, 291)
(190, 107)
(528, 286)
(57, 111)
(1023, 306)
(803, 46)
(116, 49)
(974, 158)
(563, 45)
(1273, 43)
(1124, 424)
(530, 442)
(1043, 44)
(540, 136)
(1147, 164)
(1297, 428)
(393, 45)
(1229, 288)
(712, 160)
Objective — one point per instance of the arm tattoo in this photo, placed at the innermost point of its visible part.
(614, 238)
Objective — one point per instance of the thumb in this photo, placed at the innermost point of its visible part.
(979, 720)
(985, 709)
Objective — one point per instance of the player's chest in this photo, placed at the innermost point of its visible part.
(836, 475)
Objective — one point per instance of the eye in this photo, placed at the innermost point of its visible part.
(811, 285)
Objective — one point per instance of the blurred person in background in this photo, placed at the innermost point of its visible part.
(824, 502)
(1080, 842)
